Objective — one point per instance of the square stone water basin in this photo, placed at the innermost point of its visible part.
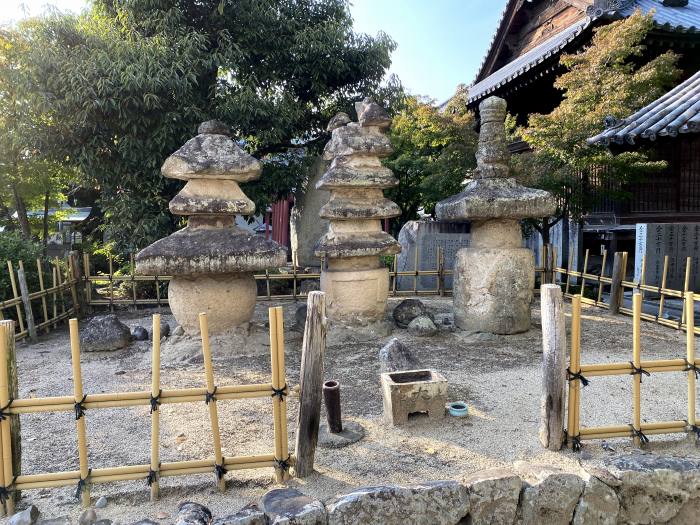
(411, 392)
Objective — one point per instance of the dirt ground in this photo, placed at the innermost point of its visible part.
(498, 377)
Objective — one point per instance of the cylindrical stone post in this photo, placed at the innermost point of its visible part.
(331, 398)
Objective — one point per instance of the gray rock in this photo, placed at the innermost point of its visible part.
(352, 433)
(309, 285)
(598, 505)
(436, 503)
(551, 497)
(179, 331)
(656, 489)
(145, 522)
(493, 496)
(407, 310)
(248, 515)
(214, 127)
(101, 503)
(164, 329)
(289, 506)
(88, 517)
(395, 356)
(338, 120)
(189, 513)
(103, 522)
(369, 113)
(139, 333)
(422, 326)
(26, 517)
(104, 333)
(300, 318)
(62, 520)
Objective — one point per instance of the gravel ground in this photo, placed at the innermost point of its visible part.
(498, 377)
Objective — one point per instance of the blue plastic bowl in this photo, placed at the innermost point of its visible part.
(458, 409)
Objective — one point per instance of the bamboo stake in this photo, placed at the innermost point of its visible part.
(88, 284)
(396, 269)
(600, 278)
(575, 367)
(276, 402)
(643, 276)
(13, 284)
(662, 288)
(283, 381)
(111, 284)
(690, 354)
(7, 335)
(72, 284)
(415, 268)
(155, 413)
(211, 401)
(568, 271)
(60, 285)
(686, 285)
(636, 359)
(80, 420)
(55, 303)
(44, 307)
(585, 271)
(132, 272)
(26, 301)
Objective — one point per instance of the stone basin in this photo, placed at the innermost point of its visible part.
(413, 391)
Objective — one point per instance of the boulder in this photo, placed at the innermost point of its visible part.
(422, 326)
(248, 515)
(395, 356)
(139, 333)
(189, 513)
(408, 309)
(104, 333)
(493, 496)
(598, 505)
(26, 517)
(289, 506)
(550, 497)
(656, 489)
(437, 503)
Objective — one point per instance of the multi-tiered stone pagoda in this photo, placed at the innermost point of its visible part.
(211, 260)
(494, 278)
(354, 279)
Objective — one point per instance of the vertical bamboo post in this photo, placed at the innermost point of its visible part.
(664, 273)
(283, 382)
(551, 430)
(155, 412)
(60, 285)
(3, 507)
(211, 401)
(132, 271)
(575, 368)
(73, 281)
(79, 418)
(637, 361)
(616, 278)
(111, 284)
(568, 271)
(15, 294)
(44, 307)
(28, 312)
(278, 399)
(310, 383)
(396, 275)
(54, 283)
(88, 283)
(600, 277)
(686, 285)
(690, 354)
(9, 426)
(415, 273)
(642, 277)
(583, 273)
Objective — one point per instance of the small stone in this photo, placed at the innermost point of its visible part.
(248, 515)
(104, 333)
(164, 329)
(214, 127)
(101, 503)
(88, 517)
(179, 330)
(289, 506)
(190, 513)
(162, 515)
(407, 310)
(493, 495)
(26, 517)
(422, 326)
(395, 356)
(120, 372)
(339, 120)
(139, 333)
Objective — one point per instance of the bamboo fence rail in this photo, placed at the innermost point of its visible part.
(82, 404)
(579, 376)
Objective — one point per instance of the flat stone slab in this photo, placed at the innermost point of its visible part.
(352, 433)
(289, 506)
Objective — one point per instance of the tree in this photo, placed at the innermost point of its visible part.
(433, 152)
(128, 83)
(610, 78)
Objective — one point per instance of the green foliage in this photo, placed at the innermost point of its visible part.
(14, 248)
(609, 78)
(433, 151)
(127, 83)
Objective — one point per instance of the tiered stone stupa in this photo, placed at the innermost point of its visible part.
(354, 279)
(211, 260)
(494, 277)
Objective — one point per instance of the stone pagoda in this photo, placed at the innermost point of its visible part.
(494, 277)
(211, 260)
(355, 280)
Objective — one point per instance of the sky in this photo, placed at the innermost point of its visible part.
(440, 43)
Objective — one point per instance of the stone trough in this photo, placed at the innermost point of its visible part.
(413, 392)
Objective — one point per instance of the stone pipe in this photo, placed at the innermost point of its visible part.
(331, 398)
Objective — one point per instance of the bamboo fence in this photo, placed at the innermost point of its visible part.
(82, 404)
(579, 375)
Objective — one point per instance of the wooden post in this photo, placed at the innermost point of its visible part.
(554, 368)
(662, 297)
(583, 274)
(616, 290)
(690, 354)
(155, 412)
(311, 381)
(44, 307)
(79, 417)
(637, 362)
(9, 426)
(24, 291)
(548, 259)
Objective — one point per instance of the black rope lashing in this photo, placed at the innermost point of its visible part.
(571, 376)
(688, 366)
(283, 464)
(638, 371)
(5, 491)
(576, 444)
(82, 484)
(155, 402)
(79, 408)
(638, 433)
(220, 470)
(696, 430)
(279, 392)
(152, 477)
(3, 414)
(210, 396)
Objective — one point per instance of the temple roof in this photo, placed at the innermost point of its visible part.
(678, 111)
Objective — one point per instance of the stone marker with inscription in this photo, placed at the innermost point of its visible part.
(677, 240)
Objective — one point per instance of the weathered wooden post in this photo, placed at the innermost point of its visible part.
(10, 426)
(311, 383)
(76, 278)
(553, 367)
(616, 284)
(27, 303)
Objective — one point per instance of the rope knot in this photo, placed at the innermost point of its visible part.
(82, 485)
(155, 402)
(3, 414)
(283, 464)
(688, 367)
(220, 470)
(571, 376)
(152, 477)
(210, 396)
(638, 433)
(279, 392)
(638, 371)
(79, 408)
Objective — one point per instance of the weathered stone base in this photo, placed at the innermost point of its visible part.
(228, 300)
(493, 289)
(356, 296)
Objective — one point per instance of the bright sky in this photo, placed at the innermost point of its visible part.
(440, 42)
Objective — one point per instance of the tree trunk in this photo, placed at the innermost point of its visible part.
(45, 221)
(565, 241)
(21, 214)
(546, 226)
